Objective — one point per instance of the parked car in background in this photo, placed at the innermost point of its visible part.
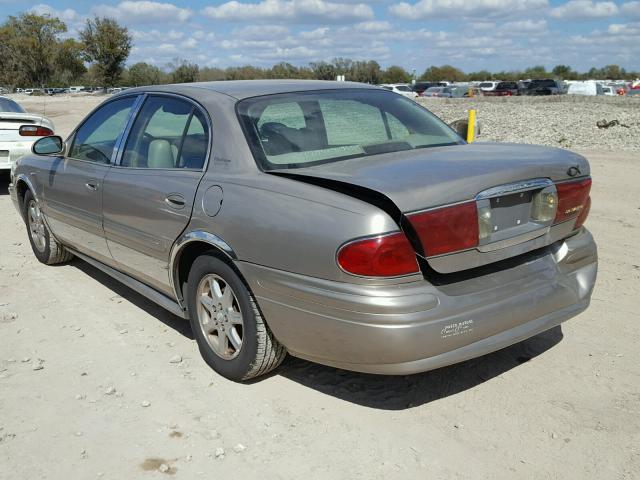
(634, 92)
(337, 221)
(76, 89)
(589, 88)
(609, 91)
(420, 87)
(19, 130)
(460, 91)
(503, 89)
(542, 87)
(444, 92)
(488, 86)
(401, 88)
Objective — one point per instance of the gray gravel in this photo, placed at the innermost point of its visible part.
(563, 121)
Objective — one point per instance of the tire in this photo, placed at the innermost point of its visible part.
(214, 315)
(45, 247)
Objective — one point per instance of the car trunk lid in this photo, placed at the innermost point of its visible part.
(10, 123)
(468, 180)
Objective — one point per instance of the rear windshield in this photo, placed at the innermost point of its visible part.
(7, 105)
(297, 130)
(403, 88)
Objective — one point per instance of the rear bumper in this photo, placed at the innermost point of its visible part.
(16, 150)
(414, 327)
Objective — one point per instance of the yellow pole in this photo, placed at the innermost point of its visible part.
(471, 129)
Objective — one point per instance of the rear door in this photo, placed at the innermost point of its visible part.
(73, 185)
(149, 193)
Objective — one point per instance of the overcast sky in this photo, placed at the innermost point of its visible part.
(472, 35)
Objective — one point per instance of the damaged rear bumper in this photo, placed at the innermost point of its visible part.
(413, 327)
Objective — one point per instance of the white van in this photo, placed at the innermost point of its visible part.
(585, 88)
(76, 89)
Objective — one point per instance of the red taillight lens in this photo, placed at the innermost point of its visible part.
(381, 256)
(573, 201)
(447, 229)
(34, 131)
(583, 214)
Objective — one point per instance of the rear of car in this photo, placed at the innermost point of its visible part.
(503, 89)
(18, 131)
(487, 86)
(542, 87)
(469, 248)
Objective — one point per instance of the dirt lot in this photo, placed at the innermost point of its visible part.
(123, 393)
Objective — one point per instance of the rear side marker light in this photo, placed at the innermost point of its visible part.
(448, 229)
(573, 201)
(34, 131)
(380, 256)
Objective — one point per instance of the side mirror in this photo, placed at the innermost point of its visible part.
(52, 145)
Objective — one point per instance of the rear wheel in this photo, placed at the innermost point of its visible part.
(232, 336)
(46, 248)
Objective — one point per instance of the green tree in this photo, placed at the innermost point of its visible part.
(479, 76)
(564, 72)
(28, 45)
(142, 73)
(395, 74)
(323, 71)
(445, 72)
(107, 46)
(536, 72)
(184, 72)
(613, 72)
(69, 63)
(284, 70)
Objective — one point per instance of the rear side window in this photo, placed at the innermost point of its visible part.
(168, 133)
(7, 105)
(96, 138)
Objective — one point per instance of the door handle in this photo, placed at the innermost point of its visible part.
(174, 200)
(91, 185)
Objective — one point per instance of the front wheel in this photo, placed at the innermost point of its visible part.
(46, 248)
(231, 334)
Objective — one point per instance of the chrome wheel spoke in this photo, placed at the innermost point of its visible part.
(235, 318)
(219, 316)
(234, 338)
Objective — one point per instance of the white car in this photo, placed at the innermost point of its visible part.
(18, 131)
(488, 86)
(401, 88)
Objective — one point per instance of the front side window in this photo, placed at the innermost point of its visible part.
(96, 138)
(301, 129)
(167, 133)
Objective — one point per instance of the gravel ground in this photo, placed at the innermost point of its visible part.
(564, 121)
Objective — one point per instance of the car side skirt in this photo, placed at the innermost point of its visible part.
(144, 290)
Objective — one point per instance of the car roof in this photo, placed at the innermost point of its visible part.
(240, 89)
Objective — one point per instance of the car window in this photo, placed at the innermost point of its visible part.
(96, 138)
(403, 88)
(288, 114)
(167, 133)
(7, 105)
(338, 125)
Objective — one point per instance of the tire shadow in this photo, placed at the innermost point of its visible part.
(408, 391)
(180, 325)
(4, 182)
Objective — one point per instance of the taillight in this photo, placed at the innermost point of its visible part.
(381, 256)
(448, 229)
(573, 201)
(34, 131)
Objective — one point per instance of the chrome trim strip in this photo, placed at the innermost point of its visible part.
(153, 295)
(510, 242)
(515, 187)
(186, 238)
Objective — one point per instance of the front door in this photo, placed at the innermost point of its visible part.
(148, 196)
(73, 188)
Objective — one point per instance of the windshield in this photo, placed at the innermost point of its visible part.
(403, 88)
(7, 105)
(297, 130)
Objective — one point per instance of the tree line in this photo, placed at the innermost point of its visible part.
(35, 52)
